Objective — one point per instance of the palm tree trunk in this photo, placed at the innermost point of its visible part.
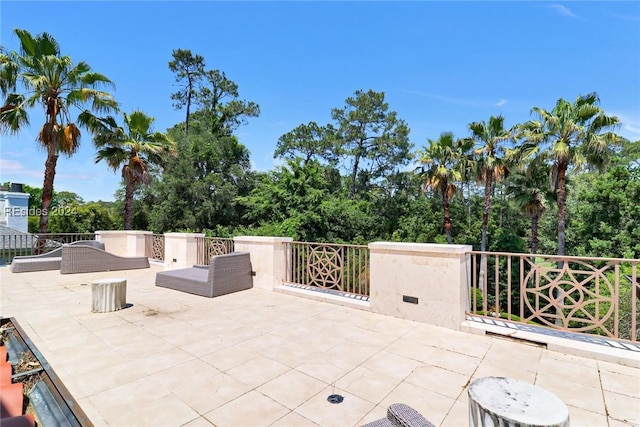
(447, 217)
(562, 198)
(128, 203)
(534, 234)
(488, 184)
(47, 196)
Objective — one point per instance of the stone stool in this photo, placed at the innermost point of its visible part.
(108, 295)
(506, 402)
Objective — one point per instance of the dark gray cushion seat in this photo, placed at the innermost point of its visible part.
(224, 274)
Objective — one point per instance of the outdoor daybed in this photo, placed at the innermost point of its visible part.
(47, 261)
(87, 259)
(225, 274)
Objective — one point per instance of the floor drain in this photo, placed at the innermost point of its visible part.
(335, 398)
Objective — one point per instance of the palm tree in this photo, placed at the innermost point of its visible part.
(570, 135)
(55, 83)
(132, 148)
(531, 193)
(445, 167)
(491, 163)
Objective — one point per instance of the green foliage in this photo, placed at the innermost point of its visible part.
(604, 218)
(85, 218)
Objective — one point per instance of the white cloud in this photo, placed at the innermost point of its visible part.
(564, 11)
(501, 103)
(451, 100)
(635, 18)
(629, 125)
(13, 169)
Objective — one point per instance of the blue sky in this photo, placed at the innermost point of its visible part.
(441, 65)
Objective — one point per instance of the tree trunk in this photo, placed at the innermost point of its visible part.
(562, 197)
(354, 176)
(447, 216)
(128, 203)
(47, 196)
(534, 234)
(488, 184)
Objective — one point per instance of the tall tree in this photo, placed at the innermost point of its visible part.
(570, 136)
(189, 70)
(444, 168)
(490, 150)
(374, 141)
(218, 98)
(132, 148)
(310, 142)
(530, 190)
(53, 82)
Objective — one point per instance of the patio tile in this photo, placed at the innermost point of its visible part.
(348, 413)
(198, 422)
(375, 414)
(502, 351)
(622, 407)
(292, 388)
(582, 417)
(229, 357)
(257, 371)
(620, 383)
(326, 367)
(569, 370)
(589, 398)
(458, 415)
(391, 364)
(293, 419)
(432, 406)
(181, 375)
(493, 369)
(367, 384)
(290, 354)
(438, 380)
(165, 359)
(168, 411)
(256, 410)
(126, 397)
(208, 393)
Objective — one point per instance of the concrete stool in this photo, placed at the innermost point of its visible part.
(506, 402)
(108, 295)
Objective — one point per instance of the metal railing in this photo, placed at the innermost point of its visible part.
(336, 267)
(154, 246)
(576, 294)
(20, 244)
(210, 246)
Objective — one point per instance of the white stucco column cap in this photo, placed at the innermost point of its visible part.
(184, 235)
(262, 239)
(420, 247)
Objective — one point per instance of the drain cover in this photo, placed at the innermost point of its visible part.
(335, 398)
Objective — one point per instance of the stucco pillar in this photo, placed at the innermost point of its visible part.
(126, 243)
(180, 250)
(268, 258)
(420, 281)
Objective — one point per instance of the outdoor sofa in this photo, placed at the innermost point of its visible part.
(87, 259)
(225, 274)
(47, 261)
(401, 415)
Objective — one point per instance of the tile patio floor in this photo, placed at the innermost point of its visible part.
(260, 358)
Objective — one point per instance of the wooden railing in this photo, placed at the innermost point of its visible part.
(30, 244)
(343, 268)
(210, 246)
(576, 294)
